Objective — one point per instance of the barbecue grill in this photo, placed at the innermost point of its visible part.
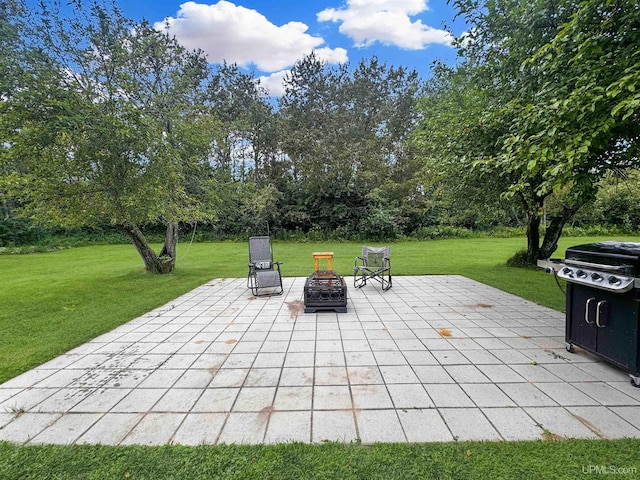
(602, 312)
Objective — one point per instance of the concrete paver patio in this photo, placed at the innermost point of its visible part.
(436, 358)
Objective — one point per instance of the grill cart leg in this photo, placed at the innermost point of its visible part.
(635, 381)
(569, 347)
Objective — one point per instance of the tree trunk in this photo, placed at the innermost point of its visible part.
(533, 237)
(139, 241)
(554, 230)
(168, 254)
(163, 263)
(535, 251)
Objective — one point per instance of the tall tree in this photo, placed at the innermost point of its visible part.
(242, 106)
(121, 135)
(506, 34)
(544, 70)
(450, 141)
(584, 121)
(12, 75)
(248, 169)
(345, 132)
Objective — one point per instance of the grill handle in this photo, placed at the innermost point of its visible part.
(586, 310)
(601, 312)
(610, 268)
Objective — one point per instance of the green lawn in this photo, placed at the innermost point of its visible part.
(463, 460)
(55, 301)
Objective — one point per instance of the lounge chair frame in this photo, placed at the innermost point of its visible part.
(264, 277)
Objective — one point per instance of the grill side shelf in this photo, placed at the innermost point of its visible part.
(550, 265)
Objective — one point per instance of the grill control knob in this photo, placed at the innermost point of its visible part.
(581, 273)
(614, 280)
(568, 272)
(596, 277)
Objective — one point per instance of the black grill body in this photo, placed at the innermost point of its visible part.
(602, 314)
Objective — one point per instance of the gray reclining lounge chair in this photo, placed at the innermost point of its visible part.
(264, 276)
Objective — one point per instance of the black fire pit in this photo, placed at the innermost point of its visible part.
(325, 290)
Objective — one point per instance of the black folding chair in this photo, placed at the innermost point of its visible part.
(264, 274)
(374, 264)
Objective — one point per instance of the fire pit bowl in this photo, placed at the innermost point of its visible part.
(325, 290)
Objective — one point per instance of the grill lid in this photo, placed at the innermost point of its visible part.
(610, 253)
(612, 266)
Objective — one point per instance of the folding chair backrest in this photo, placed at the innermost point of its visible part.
(375, 257)
(260, 251)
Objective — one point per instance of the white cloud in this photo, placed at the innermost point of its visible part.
(387, 22)
(274, 83)
(332, 55)
(225, 31)
(466, 37)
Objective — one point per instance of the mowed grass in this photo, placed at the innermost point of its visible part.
(50, 303)
(462, 460)
(53, 302)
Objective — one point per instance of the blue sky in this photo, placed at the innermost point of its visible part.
(267, 37)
